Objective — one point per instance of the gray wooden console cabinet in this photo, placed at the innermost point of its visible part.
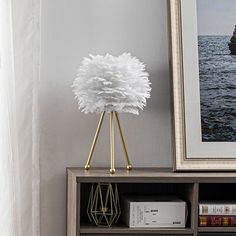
(192, 187)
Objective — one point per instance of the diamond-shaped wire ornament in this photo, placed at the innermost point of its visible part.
(104, 205)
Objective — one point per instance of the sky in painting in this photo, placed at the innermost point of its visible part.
(216, 17)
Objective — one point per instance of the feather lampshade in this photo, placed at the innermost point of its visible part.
(108, 84)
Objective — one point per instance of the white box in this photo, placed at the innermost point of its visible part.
(166, 211)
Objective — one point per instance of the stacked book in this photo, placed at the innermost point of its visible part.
(154, 211)
(217, 214)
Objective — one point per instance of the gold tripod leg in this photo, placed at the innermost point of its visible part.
(87, 166)
(112, 143)
(129, 166)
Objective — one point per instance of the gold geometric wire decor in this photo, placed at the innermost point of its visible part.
(104, 205)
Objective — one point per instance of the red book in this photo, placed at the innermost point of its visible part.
(217, 221)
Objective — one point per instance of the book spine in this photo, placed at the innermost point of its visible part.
(217, 209)
(217, 221)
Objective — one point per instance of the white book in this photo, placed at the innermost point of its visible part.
(159, 212)
(217, 208)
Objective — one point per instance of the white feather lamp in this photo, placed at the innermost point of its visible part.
(113, 85)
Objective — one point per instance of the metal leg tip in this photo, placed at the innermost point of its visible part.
(87, 167)
(129, 167)
(112, 171)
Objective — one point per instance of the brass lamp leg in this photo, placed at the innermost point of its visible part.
(112, 143)
(87, 166)
(129, 166)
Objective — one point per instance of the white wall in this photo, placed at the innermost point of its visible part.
(72, 29)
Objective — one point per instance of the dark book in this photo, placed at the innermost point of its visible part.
(217, 221)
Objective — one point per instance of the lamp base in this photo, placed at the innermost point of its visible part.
(87, 167)
(129, 167)
(112, 142)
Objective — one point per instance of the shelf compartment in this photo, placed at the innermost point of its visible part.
(184, 191)
(218, 191)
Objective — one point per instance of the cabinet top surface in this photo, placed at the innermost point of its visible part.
(147, 173)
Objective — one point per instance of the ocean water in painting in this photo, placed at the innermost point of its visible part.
(217, 89)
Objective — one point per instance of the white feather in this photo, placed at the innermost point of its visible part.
(108, 83)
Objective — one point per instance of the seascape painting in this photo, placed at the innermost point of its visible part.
(217, 69)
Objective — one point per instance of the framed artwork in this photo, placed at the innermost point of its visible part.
(203, 84)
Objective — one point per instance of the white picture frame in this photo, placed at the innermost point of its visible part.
(189, 151)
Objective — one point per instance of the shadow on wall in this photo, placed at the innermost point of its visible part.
(160, 96)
